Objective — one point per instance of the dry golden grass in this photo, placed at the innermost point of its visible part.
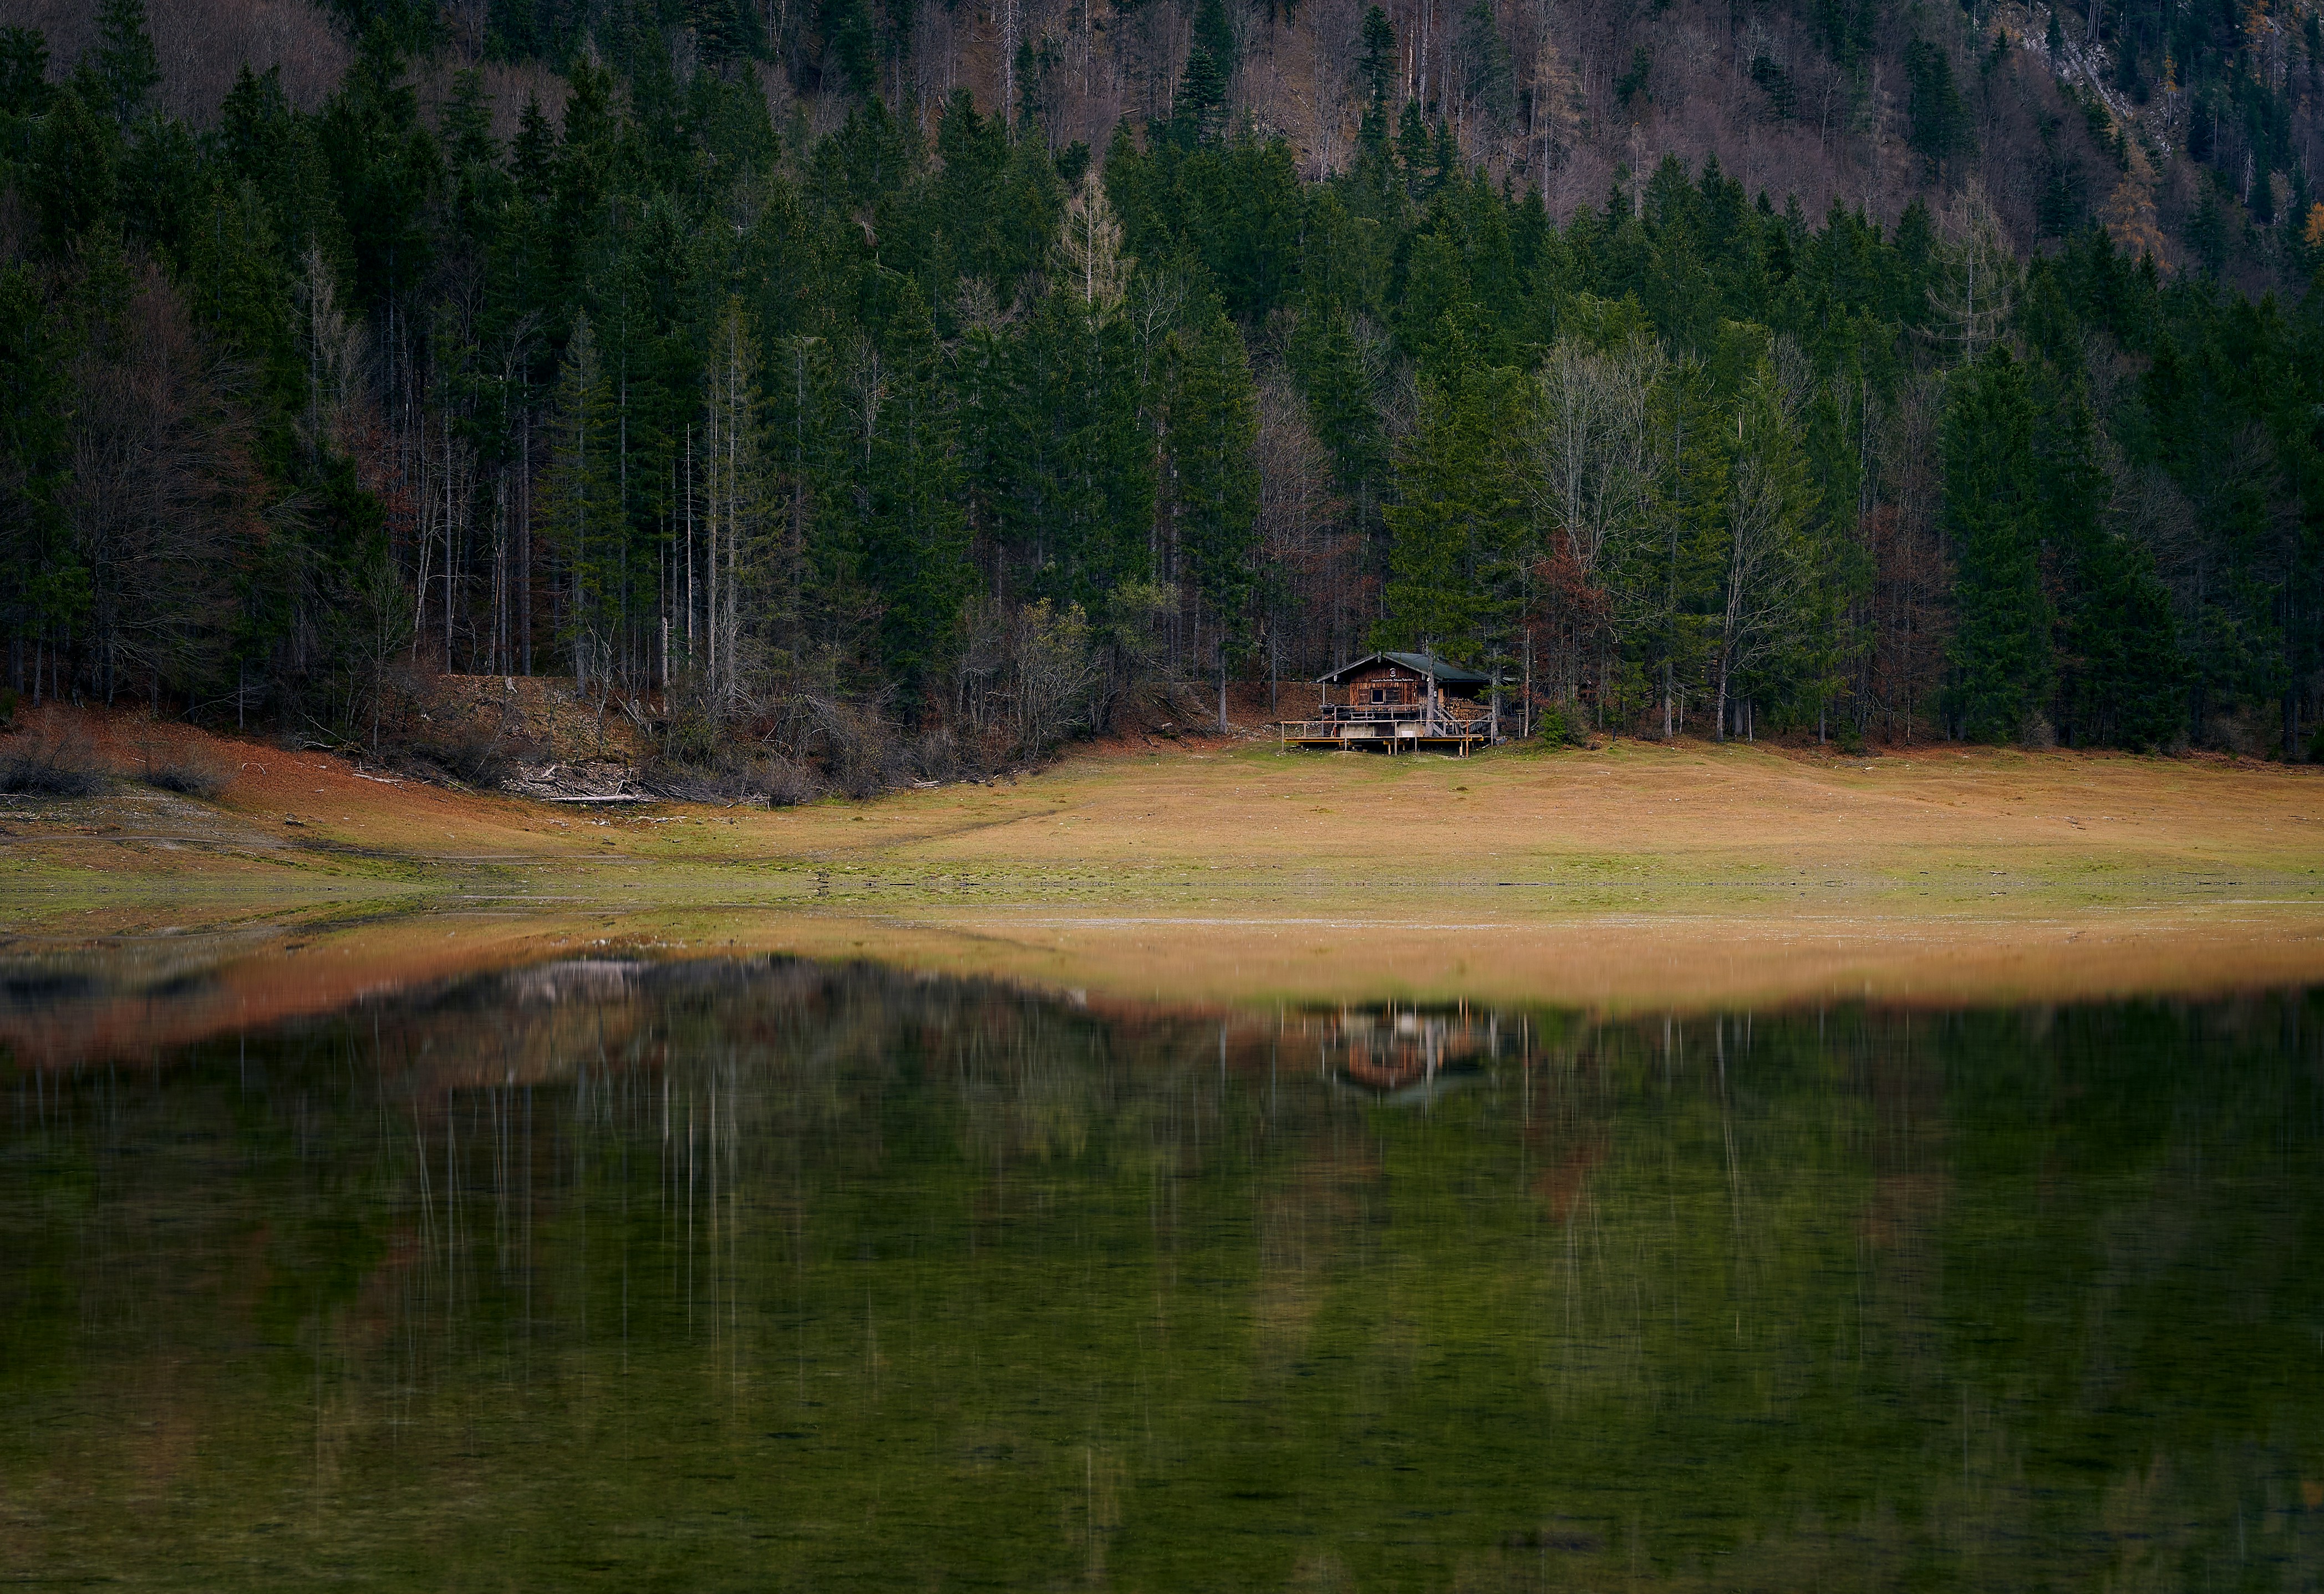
(1631, 876)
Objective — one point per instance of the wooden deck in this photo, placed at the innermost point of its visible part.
(1449, 725)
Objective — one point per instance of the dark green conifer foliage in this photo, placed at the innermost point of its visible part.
(1342, 409)
(242, 289)
(1994, 503)
(1444, 159)
(75, 165)
(1376, 68)
(914, 536)
(254, 124)
(581, 501)
(727, 30)
(1213, 430)
(1939, 122)
(126, 63)
(1215, 33)
(24, 88)
(852, 37)
(942, 416)
(1457, 530)
(534, 156)
(1679, 564)
(1492, 76)
(1439, 319)
(1060, 465)
(161, 185)
(384, 164)
(1637, 84)
(43, 585)
(478, 187)
(2124, 682)
(1198, 110)
(1414, 145)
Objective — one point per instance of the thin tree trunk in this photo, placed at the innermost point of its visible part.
(524, 577)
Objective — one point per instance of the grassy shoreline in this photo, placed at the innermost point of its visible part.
(1632, 877)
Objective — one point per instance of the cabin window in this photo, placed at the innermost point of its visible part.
(1379, 695)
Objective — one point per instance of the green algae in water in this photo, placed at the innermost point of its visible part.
(778, 1276)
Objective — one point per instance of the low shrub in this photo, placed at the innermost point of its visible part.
(50, 764)
(745, 775)
(459, 749)
(1552, 728)
(195, 776)
(187, 770)
(788, 784)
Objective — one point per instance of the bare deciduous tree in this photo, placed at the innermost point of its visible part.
(1594, 461)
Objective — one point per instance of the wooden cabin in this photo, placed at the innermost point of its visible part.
(1401, 703)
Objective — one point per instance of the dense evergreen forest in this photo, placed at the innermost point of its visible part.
(923, 441)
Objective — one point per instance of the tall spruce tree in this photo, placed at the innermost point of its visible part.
(1457, 531)
(1198, 110)
(1342, 409)
(915, 537)
(2000, 657)
(126, 62)
(1213, 430)
(581, 506)
(2120, 675)
(46, 584)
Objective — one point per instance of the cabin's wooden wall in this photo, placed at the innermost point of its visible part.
(1413, 686)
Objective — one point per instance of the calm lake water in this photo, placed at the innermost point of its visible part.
(772, 1274)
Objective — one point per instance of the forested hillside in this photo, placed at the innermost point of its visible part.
(834, 381)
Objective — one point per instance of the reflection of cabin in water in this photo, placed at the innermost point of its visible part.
(1401, 701)
(1407, 1053)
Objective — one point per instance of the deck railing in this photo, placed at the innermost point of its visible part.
(1343, 722)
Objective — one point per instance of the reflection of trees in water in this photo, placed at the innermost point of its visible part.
(933, 1278)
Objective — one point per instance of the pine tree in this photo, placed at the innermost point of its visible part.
(1198, 110)
(24, 88)
(533, 155)
(580, 503)
(2000, 660)
(1213, 430)
(914, 537)
(43, 585)
(2120, 673)
(1414, 145)
(1457, 531)
(1376, 69)
(1490, 82)
(75, 177)
(1342, 409)
(126, 63)
(1939, 120)
(384, 164)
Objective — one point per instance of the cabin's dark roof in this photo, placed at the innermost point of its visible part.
(1449, 675)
